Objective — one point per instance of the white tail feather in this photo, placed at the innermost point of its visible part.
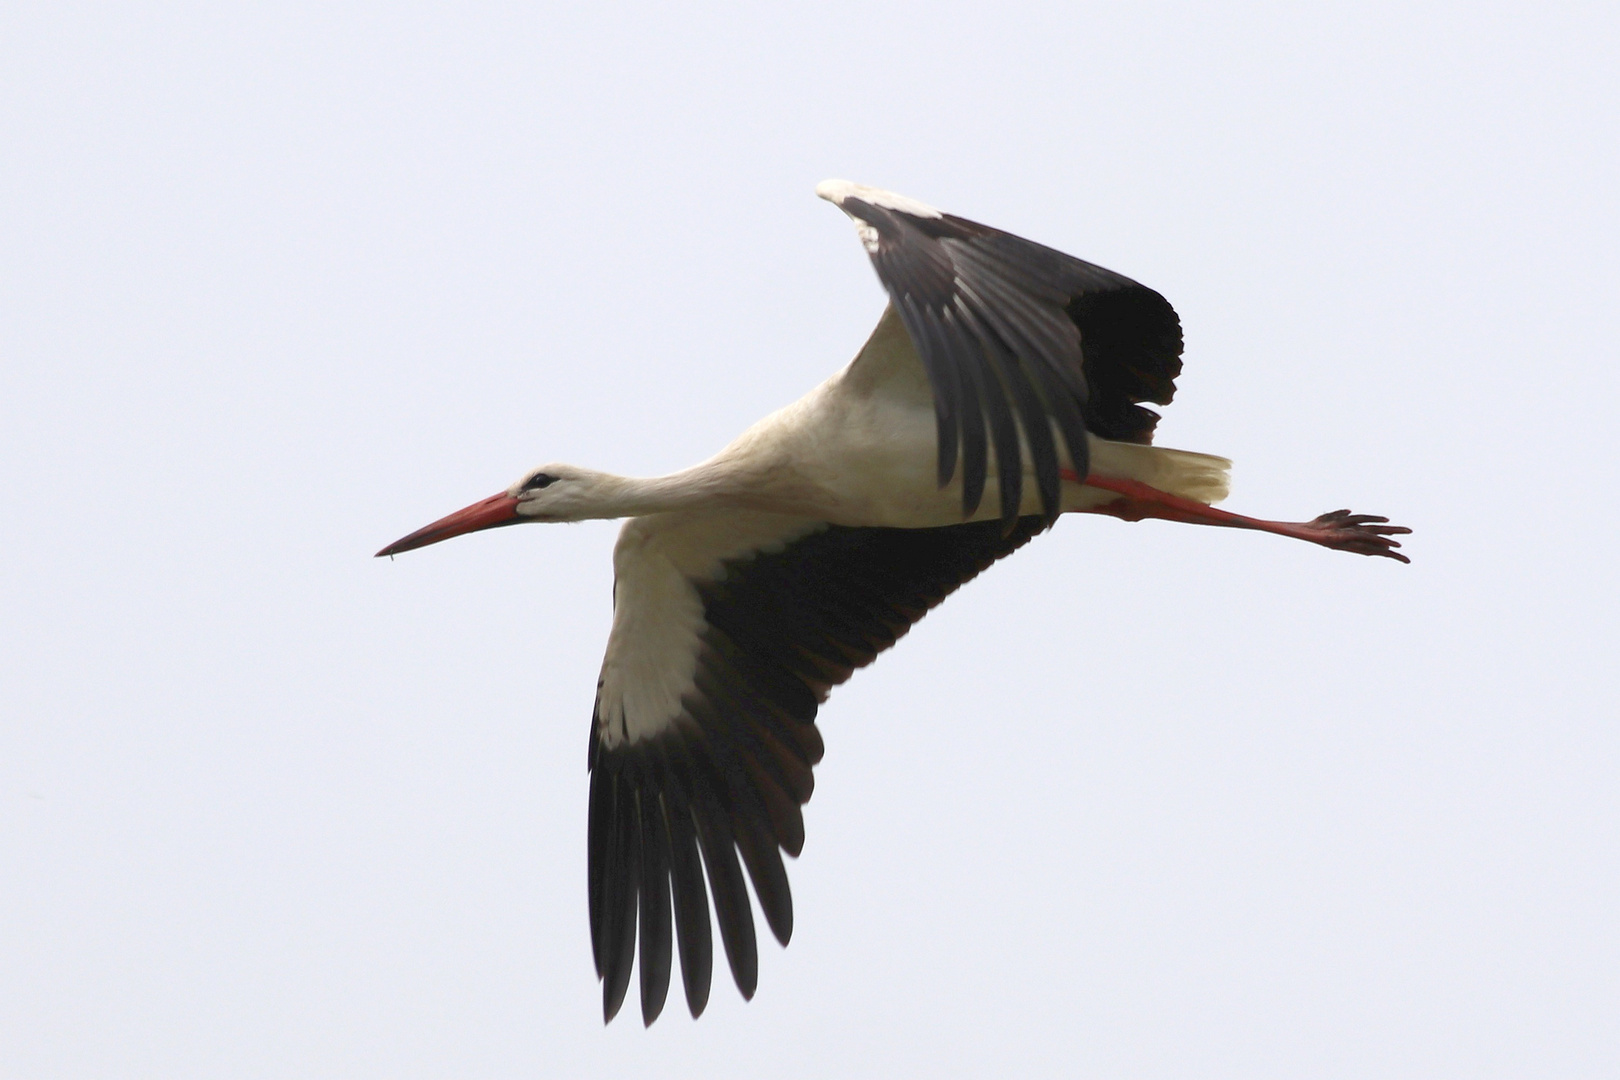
(1201, 477)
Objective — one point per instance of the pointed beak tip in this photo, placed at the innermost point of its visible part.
(498, 509)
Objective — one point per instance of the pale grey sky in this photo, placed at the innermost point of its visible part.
(282, 282)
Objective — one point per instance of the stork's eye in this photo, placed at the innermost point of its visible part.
(538, 481)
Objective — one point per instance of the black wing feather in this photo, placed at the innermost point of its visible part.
(620, 889)
(731, 908)
(946, 380)
(1005, 327)
(961, 356)
(655, 913)
(729, 776)
(691, 899)
(998, 409)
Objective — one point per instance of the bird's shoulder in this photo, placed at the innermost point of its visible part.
(887, 366)
(661, 563)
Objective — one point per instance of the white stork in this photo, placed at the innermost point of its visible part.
(1001, 388)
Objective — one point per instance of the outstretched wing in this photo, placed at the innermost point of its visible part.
(729, 630)
(1016, 337)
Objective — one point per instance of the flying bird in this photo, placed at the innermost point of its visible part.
(1003, 385)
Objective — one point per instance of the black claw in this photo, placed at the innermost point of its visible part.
(1363, 534)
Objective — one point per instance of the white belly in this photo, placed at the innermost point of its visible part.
(874, 464)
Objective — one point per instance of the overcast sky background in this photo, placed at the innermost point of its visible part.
(282, 282)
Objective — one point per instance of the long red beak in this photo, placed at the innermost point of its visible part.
(496, 510)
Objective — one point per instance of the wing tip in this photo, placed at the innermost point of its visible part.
(836, 191)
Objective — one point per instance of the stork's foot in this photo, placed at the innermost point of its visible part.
(1364, 534)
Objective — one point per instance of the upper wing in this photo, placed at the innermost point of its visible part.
(729, 629)
(1016, 337)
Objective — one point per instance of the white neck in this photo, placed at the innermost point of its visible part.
(597, 495)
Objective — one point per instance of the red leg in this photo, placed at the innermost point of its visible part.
(1363, 534)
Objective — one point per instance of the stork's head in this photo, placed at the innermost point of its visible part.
(549, 493)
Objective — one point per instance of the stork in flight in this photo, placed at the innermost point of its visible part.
(1001, 387)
